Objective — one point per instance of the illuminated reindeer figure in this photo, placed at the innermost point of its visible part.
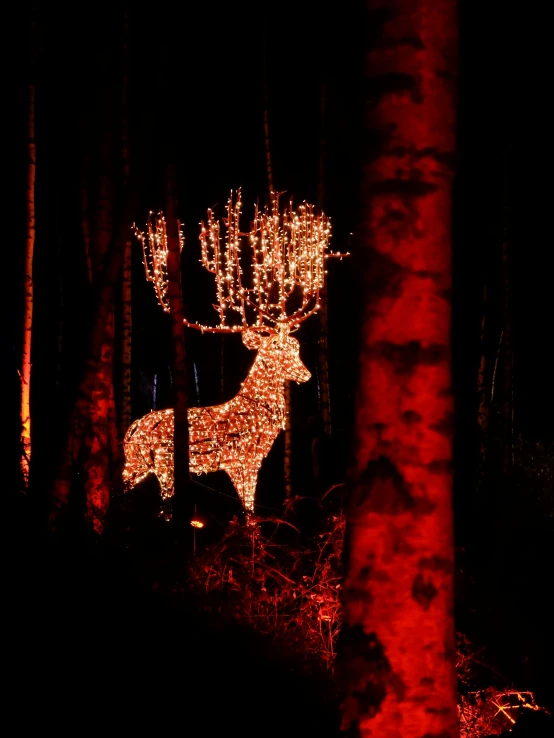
(287, 268)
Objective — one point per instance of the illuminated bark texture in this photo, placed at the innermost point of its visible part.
(397, 649)
(25, 374)
(97, 467)
(89, 436)
(91, 445)
(97, 470)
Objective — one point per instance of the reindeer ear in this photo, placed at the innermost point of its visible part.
(252, 339)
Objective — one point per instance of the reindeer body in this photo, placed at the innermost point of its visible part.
(235, 436)
(268, 281)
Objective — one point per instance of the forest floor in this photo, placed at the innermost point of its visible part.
(104, 630)
(94, 637)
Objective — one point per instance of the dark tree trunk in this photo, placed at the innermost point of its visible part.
(508, 359)
(483, 394)
(287, 430)
(323, 314)
(179, 356)
(126, 297)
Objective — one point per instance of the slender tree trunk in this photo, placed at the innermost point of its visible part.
(323, 360)
(103, 225)
(127, 329)
(222, 395)
(85, 215)
(397, 650)
(97, 468)
(482, 394)
(323, 353)
(287, 431)
(287, 461)
(266, 116)
(495, 367)
(114, 444)
(508, 368)
(60, 321)
(127, 318)
(99, 353)
(79, 422)
(179, 356)
(25, 374)
(77, 426)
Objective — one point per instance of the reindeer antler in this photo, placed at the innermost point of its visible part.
(154, 255)
(224, 263)
(290, 259)
(286, 265)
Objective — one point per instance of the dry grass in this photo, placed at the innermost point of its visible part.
(288, 590)
(263, 575)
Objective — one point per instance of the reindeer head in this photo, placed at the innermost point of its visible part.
(279, 348)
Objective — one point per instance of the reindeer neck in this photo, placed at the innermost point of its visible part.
(265, 373)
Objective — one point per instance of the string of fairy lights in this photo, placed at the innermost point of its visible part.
(267, 282)
(154, 254)
(285, 252)
(235, 436)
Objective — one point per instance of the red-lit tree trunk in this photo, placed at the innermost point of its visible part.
(397, 649)
(97, 467)
(92, 407)
(90, 452)
(25, 373)
(89, 436)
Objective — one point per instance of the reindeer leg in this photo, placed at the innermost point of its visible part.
(165, 479)
(249, 493)
(245, 484)
(134, 469)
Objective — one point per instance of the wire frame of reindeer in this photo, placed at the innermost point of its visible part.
(267, 282)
